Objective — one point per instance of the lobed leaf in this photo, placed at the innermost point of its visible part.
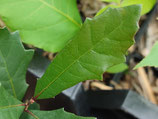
(56, 114)
(9, 106)
(151, 59)
(101, 43)
(46, 24)
(14, 60)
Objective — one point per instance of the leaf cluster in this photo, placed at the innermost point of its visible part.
(98, 45)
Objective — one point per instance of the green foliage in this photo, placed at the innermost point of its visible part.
(101, 43)
(46, 24)
(14, 60)
(151, 59)
(147, 5)
(12, 75)
(57, 114)
(9, 106)
(118, 68)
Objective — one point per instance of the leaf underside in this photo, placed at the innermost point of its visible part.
(46, 24)
(9, 106)
(151, 59)
(56, 114)
(101, 43)
(14, 60)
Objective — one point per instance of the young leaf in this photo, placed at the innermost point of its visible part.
(9, 106)
(151, 59)
(56, 114)
(14, 60)
(46, 24)
(101, 43)
(147, 5)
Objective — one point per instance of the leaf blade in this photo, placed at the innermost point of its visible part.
(92, 51)
(9, 106)
(56, 114)
(51, 23)
(146, 4)
(151, 59)
(14, 60)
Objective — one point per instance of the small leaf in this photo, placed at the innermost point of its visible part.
(14, 60)
(46, 24)
(118, 68)
(56, 114)
(147, 5)
(101, 43)
(151, 59)
(9, 106)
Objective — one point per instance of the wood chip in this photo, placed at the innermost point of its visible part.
(145, 84)
(116, 85)
(100, 86)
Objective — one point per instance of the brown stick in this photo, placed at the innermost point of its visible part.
(101, 86)
(145, 84)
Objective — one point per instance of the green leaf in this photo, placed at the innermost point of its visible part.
(147, 5)
(9, 106)
(14, 60)
(46, 24)
(56, 114)
(105, 8)
(118, 68)
(34, 106)
(151, 59)
(101, 43)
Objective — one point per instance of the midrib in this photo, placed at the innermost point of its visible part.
(78, 59)
(60, 12)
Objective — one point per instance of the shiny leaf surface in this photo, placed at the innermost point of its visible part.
(101, 43)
